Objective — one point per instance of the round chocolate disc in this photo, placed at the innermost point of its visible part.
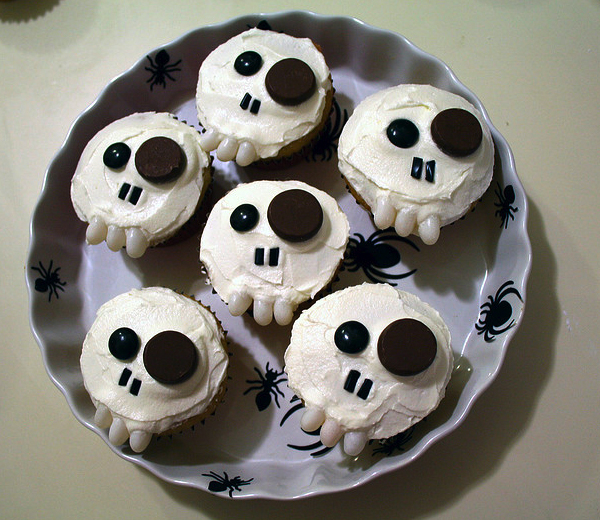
(295, 215)
(170, 357)
(160, 159)
(406, 347)
(456, 132)
(290, 82)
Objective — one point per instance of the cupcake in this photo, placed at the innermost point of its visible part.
(153, 362)
(417, 157)
(263, 96)
(273, 245)
(139, 180)
(368, 362)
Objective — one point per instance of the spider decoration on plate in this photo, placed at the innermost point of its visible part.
(326, 144)
(506, 210)
(388, 446)
(496, 312)
(318, 445)
(376, 255)
(263, 24)
(267, 387)
(161, 69)
(49, 281)
(224, 483)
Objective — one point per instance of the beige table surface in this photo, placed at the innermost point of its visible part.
(530, 446)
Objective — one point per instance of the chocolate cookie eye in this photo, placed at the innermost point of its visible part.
(406, 347)
(351, 337)
(160, 160)
(123, 343)
(244, 217)
(290, 82)
(170, 357)
(116, 155)
(248, 63)
(402, 133)
(456, 132)
(295, 215)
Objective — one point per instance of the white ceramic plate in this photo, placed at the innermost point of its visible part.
(253, 446)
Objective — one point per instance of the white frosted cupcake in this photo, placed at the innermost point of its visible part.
(368, 362)
(417, 157)
(139, 181)
(263, 96)
(153, 361)
(272, 245)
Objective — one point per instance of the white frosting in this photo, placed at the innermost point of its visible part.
(161, 209)
(380, 172)
(303, 269)
(157, 407)
(317, 369)
(239, 134)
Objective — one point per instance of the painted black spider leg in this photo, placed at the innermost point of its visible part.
(292, 410)
(505, 291)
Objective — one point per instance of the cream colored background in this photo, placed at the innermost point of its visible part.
(529, 447)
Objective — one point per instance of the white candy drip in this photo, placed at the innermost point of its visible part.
(115, 238)
(312, 418)
(384, 213)
(227, 149)
(239, 303)
(283, 312)
(246, 154)
(96, 231)
(405, 221)
(139, 440)
(209, 140)
(263, 312)
(118, 433)
(331, 433)
(429, 229)
(354, 442)
(137, 243)
(103, 417)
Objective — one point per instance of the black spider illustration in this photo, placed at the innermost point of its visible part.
(326, 144)
(224, 483)
(267, 387)
(263, 24)
(318, 445)
(161, 69)
(505, 201)
(376, 254)
(397, 442)
(496, 312)
(49, 280)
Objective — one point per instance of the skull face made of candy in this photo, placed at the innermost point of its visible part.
(259, 92)
(418, 157)
(368, 361)
(272, 245)
(139, 180)
(151, 360)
